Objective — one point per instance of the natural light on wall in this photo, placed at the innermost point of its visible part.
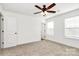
(50, 25)
(72, 27)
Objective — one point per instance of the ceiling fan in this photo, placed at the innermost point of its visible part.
(45, 9)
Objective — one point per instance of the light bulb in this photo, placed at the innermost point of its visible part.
(44, 13)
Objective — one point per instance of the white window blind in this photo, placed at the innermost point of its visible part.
(72, 27)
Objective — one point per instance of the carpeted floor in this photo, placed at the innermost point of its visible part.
(41, 48)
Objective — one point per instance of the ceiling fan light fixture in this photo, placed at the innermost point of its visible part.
(44, 9)
(44, 13)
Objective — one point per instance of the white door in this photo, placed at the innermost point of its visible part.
(10, 32)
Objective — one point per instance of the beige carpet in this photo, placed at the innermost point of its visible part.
(41, 48)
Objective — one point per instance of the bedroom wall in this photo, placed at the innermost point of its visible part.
(28, 28)
(59, 29)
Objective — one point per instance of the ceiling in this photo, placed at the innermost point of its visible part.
(29, 9)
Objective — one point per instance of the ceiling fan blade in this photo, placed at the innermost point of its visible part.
(38, 7)
(51, 11)
(52, 5)
(37, 12)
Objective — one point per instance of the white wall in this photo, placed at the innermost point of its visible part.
(28, 28)
(59, 29)
(1, 8)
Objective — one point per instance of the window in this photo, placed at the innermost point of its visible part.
(72, 27)
(50, 27)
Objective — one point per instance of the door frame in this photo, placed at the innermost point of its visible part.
(1, 30)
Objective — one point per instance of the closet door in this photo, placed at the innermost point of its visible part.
(10, 32)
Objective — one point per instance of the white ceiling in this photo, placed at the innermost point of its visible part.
(29, 9)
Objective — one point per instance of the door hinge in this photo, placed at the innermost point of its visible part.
(2, 30)
(2, 42)
(2, 19)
